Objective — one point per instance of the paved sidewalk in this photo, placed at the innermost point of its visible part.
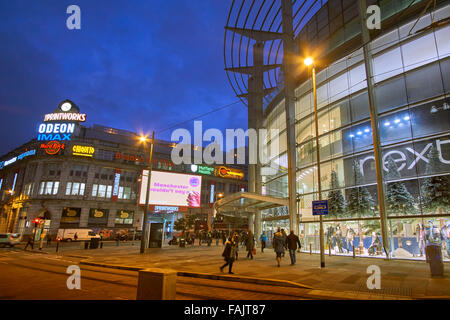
(343, 277)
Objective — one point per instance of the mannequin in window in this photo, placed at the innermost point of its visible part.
(339, 240)
(375, 245)
(433, 234)
(420, 234)
(350, 238)
(446, 237)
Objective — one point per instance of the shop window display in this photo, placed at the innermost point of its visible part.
(409, 237)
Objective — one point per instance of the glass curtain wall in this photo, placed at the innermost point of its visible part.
(412, 83)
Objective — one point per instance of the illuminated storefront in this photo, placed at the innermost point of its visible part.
(412, 87)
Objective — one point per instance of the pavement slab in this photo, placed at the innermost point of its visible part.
(343, 277)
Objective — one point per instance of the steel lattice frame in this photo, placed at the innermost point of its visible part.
(260, 15)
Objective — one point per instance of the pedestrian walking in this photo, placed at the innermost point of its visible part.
(263, 240)
(293, 242)
(236, 241)
(75, 236)
(228, 254)
(250, 244)
(49, 240)
(279, 244)
(284, 238)
(30, 242)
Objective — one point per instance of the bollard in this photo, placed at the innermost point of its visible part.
(310, 248)
(157, 284)
(101, 245)
(57, 246)
(329, 250)
(353, 252)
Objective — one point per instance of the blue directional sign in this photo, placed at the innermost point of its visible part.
(320, 207)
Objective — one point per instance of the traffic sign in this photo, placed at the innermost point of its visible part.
(320, 207)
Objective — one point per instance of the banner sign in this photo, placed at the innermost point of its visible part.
(171, 189)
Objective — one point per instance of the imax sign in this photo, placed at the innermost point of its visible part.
(55, 131)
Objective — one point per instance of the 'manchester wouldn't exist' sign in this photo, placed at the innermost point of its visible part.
(60, 125)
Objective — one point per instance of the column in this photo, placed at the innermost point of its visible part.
(289, 66)
(84, 217)
(374, 122)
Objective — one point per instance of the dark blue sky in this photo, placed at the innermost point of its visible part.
(134, 65)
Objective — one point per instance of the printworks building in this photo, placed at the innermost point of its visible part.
(76, 176)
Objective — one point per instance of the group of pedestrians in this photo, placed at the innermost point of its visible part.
(281, 242)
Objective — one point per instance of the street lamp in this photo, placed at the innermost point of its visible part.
(144, 223)
(310, 62)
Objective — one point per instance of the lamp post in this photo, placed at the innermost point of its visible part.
(144, 223)
(310, 62)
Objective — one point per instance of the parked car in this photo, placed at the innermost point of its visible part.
(82, 234)
(10, 239)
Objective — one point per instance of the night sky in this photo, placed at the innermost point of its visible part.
(138, 65)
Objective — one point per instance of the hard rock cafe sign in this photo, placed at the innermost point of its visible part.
(52, 147)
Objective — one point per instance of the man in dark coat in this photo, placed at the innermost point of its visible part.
(250, 244)
(292, 241)
(229, 254)
(30, 242)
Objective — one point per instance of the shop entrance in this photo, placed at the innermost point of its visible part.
(156, 235)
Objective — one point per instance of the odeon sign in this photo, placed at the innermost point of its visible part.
(55, 131)
(60, 125)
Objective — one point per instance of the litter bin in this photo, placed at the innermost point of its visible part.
(94, 243)
(182, 242)
(434, 258)
(86, 244)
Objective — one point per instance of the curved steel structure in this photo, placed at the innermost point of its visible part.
(260, 15)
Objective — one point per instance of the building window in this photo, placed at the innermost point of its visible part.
(94, 190)
(49, 187)
(109, 191)
(101, 191)
(75, 189)
(28, 189)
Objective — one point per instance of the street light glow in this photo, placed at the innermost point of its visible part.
(308, 61)
(143, 139)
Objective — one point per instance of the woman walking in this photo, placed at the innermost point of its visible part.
(278, 245)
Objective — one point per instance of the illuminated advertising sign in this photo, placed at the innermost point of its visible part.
(128, 157)
(225, 172)
(80, 117)
(167, 209)
(202, 169)
(171, 189)
(52, 147)
(26, 154)
(19, 157)
(84, 151)
(211, 195)
(115, 192)
(55, 131)
(14, 182)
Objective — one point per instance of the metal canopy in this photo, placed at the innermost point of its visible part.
(248, 202)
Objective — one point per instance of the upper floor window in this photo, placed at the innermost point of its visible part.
(49, 188)
(101, 191)
(75, 189)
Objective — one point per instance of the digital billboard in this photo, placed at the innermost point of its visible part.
(171, 189)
